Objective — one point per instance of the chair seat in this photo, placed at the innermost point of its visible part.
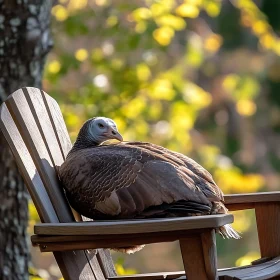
(261, 271)
(265, 270)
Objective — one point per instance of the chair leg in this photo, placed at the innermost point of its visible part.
(200, 256)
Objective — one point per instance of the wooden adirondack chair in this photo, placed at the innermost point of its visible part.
(34, 128)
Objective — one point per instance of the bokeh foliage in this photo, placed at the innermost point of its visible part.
(197, 76)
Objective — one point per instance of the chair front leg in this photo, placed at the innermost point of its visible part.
(200, 256)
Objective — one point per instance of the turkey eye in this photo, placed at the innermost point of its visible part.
(101, 125)
(114, 133)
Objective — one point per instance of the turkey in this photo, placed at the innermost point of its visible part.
(135, 180)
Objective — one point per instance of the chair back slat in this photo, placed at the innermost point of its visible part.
(106, 262)
(49, 119)
(27, 167)
(104, 257)
(41, 115)
(58, 124)
(30, 128)
(33, 125)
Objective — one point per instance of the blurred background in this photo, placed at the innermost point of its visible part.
(200, 77)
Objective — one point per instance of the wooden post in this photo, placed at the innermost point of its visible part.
(200, 256)
(268, 224)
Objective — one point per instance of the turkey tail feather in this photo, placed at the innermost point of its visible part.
(129, 249)
(227, 231)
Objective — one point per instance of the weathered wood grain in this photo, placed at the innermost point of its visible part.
(106, 262)
(208, 241)
(268, 224)
(134, 226)
(57, 123)
(26, 125)
(193, 258)
(150, 276)
(27, 167)
(267, 270)
(58, 242)
(41, 239)
(103, 258)
(253, 197)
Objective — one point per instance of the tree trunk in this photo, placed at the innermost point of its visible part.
(24, 43)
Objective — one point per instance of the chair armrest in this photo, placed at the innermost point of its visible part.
(133, 226)
(267, 210)
(250, 200)
(114, 234)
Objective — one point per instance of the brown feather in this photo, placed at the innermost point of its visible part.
(138, 180)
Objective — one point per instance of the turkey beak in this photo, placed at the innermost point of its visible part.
(116, 135)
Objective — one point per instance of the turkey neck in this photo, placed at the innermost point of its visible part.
(84, 139)
(83, 143)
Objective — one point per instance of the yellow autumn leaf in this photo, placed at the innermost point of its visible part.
(72, 120)
(81, 54)
(155, 111)
(158, 9)
(260, 27)
(161, 89)
(177, 23)
(122, 271)
(183, 122)
(60, 12)
(163, 35)
(77, 5)
(97, 54)
(100, 2)
(141, 27)
(209, 155)
(231, 180)
(143, 72)
(195, 2)
(247, 259)
(230, 82)
(111, 21)
(33, 214)
(213, 43)
(242, 221)
(196, 96)
(117, 63)
(246, 107)
(133, 108)
(141, 14)
(267, 40)
(213, 8)
(54, 67)
(120, 123)
(187, 10)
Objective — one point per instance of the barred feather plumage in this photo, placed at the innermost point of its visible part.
(139, 180)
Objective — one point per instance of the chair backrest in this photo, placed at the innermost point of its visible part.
(33, 125)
